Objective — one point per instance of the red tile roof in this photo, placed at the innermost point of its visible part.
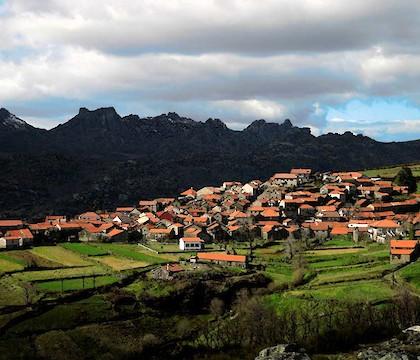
(192, 239)
(403, 247)
(301, 171)
(10, 223)
(21, 233)
(386, 224)
(285, 176)
(115, 232)
(222, 257)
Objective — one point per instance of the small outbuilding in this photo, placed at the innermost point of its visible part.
(223, 259)
(191, 244)
(404, 251)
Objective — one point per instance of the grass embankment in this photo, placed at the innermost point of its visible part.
(411, 274)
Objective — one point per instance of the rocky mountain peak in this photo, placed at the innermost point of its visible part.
(216, 123)
(287, 123)
(11, 121)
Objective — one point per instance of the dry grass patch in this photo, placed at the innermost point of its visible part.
(9, 266)
(60, 255)
(119, 264)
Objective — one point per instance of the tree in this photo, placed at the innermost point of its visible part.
(405, 178)
(217, 307)
(29, 293)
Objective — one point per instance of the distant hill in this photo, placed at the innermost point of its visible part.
(99, 159)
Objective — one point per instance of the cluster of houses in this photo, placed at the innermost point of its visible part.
(295, 205)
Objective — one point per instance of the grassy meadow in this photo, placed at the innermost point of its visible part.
(338, 270)
(391, 172)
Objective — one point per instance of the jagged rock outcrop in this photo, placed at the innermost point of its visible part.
(283, 352)
(404, 347)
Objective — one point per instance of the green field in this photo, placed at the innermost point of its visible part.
(59, 273)
(47, 266)
(76, 284)
(84, 249)
(340, 241)
(150, 288)
(359, 291)
(67, 316)
(334, 271)
(134, 252)
(411, 274)
(391, 172)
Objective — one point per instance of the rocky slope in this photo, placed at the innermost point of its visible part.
(404, 347)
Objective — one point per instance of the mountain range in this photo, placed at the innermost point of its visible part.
(99, 159)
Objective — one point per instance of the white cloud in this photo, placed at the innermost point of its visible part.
(239, 58)
(254, 108)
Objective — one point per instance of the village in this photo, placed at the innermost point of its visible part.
(295, 206)
(300, 242)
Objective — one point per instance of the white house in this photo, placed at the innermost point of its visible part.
(191, 244)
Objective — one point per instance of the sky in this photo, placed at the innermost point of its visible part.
(330, 65)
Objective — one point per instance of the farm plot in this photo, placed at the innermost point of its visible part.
(390, 172)
(9, 264)
(340, 251)
(119, 264)
(31, 260)
(84, 249)
(59, 273)
(361, 291)
(67, 316)
(11, 293)
(339, 241)
(135, 252)
(60, 255)
(351, 274)
(76, 284)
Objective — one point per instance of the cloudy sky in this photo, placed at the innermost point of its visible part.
(331, 65)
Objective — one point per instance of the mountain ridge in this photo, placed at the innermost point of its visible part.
(99, 159)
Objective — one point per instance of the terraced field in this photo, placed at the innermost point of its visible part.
(119, 264)
(374, 291)
(60, 255)
(135, 252)
(9, 264)
(345, 273)
(62, 268)
(60, 273)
